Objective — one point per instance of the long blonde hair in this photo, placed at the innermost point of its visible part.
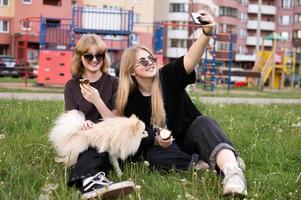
(127, 83)
(77, 68)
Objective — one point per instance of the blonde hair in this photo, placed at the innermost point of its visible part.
(83, 45)
(127, 83)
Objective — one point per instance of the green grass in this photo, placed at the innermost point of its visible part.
(286, 93)
(29, 90)
(16, 80)
(267, 137)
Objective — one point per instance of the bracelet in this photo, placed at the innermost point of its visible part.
(209, 33)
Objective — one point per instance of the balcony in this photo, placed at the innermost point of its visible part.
(245, 57)
(251, 41)
(264, 25)
(177, 34)
(265, 9)
(178, 16)
(173, 52)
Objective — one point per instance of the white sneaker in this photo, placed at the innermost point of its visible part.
(234, 182)
(99, 186)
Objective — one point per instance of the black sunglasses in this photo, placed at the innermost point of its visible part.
(146, 61)
(89, 57)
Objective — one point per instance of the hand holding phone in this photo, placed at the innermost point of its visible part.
(197, 19)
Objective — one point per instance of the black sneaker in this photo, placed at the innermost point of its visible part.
(99, 186)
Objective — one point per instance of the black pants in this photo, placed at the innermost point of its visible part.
(203, 137)
(203, 140)
(89, 163)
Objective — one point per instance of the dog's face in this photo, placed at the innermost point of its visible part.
(138, 127)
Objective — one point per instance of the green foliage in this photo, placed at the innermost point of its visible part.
(267, 138)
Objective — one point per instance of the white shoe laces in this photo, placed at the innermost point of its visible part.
(99, 178)
(234, 178)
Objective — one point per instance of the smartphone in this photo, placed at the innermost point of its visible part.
(84, 81)
(197, 19)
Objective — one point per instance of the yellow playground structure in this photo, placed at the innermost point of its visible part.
(274, 65)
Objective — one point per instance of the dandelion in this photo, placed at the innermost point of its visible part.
(298, 125)
(44, 197)
(48, 188)
(189, 196)
(2, 136)
(146, 163)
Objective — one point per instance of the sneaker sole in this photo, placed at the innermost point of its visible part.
(113, 191)
(235, 194)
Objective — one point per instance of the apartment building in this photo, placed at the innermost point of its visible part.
(22, 17)
(6, 16)
(238, 17)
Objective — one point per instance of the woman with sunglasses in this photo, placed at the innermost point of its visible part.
(95, 97)
(158, 97)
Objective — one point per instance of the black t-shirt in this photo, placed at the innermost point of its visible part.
(180, 110)
(107, 88)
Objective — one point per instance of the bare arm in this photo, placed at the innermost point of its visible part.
(91, 94)
(197, 49)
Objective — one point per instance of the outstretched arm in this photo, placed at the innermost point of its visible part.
(195, 52)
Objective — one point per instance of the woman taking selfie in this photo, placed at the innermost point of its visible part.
(158, 97)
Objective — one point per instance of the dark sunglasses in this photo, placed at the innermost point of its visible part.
(146, 61)
(89, 57)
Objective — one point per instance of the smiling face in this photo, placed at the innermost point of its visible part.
(145, 65)
(92, 59)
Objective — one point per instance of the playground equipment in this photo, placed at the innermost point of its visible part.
(58, 37)
(214, 69)
(274, 65)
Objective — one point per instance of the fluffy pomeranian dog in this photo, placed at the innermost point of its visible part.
(119, 136)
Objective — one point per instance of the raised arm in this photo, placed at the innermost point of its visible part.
(195, 52)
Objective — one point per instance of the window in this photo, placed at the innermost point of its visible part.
(242, 33)
(286, 3)
(4, 26)
(243, 17)
(27, 1)
(3, 49)
(297, 18)
(226, 28)
(297, 2)
(297, 34)
(52, 2)
(285, 20)
(136, 17)
(227, 11)
(244, 2)
(135, 38)
(178, 7)
(25, 25)
(178, 25)
(222, 45)
(180, 43)
(285, 34)
(3, 2)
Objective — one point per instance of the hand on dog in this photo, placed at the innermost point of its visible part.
(90, 93)
(87, 125)
(163, 143)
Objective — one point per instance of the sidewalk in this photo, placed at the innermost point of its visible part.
(207, 100)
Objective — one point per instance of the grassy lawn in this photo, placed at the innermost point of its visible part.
(267, 137)
(16, 80)
(286, 93)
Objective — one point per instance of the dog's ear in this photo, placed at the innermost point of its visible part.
(135, 123)
(133, 116)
